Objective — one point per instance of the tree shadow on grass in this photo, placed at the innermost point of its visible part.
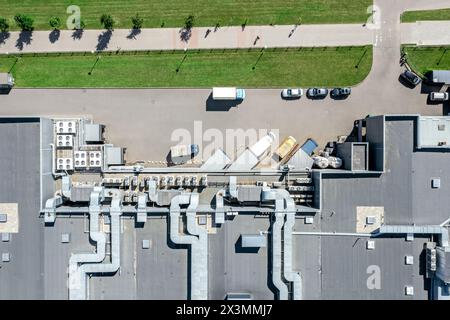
(4, 36)
(133, 34)
(103, 40)
(54, 36)
(25, 38)
(77, 34)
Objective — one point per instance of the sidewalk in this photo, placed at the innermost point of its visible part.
(426, 33)
(171, 38)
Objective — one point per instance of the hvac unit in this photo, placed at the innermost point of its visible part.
(64, 164)
(80, 158)
(204, 181)
(64, 141)
(66, 127)
(95, 159)
(163, 181)
(134, 182)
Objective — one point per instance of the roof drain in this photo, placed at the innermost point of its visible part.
(91, 262)
(197, 241)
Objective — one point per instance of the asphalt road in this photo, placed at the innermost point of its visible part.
(144, 120)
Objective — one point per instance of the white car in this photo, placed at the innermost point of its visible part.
(290, 93)
(438, 96)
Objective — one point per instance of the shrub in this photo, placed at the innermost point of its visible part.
(137, 21)
(24, 22)
(55, 22)
(4, 26)
(189, 22)
(107, 21)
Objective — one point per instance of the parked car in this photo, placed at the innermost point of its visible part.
(290, 93)
(438, 96)
(411, 78)
(317, 92)
(340, 92)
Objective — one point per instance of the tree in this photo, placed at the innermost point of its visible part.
(81, 26)
(55, 22)
(107, 21)
(4, 26)
(137, 21)
(24, 22)
(189, 22)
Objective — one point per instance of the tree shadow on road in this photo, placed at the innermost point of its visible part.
(54, 36)
(103, 40)
(185, 34)
(133, 34)
(77, 34)
(4, 36)
(25, 38)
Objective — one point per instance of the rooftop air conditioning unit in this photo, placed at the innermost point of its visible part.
(64, 164)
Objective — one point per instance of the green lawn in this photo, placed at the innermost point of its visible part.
(171, 13)
(200, 68)
(413, 16)
(423, 59)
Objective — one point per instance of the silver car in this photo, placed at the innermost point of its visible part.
(291, 93)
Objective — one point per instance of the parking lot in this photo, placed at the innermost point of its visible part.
(142, 120)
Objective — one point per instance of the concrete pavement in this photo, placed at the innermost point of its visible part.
(174, 38)
(426, 33)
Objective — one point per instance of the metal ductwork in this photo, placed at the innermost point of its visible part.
(284, 207)
(81, 265)
(50, 209)
(289, 274)
(197, 241)
(141, 213)
(219, 214)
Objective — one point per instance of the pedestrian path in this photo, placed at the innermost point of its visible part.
(198, 38)
(426, 33)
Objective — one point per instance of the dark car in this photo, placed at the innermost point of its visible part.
(340, 92)
(411, 78)
(317, 92)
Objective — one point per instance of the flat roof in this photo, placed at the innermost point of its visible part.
(23, 276)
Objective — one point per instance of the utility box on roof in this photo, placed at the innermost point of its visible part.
(114, 156)
(253, 241)
(93, 133)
